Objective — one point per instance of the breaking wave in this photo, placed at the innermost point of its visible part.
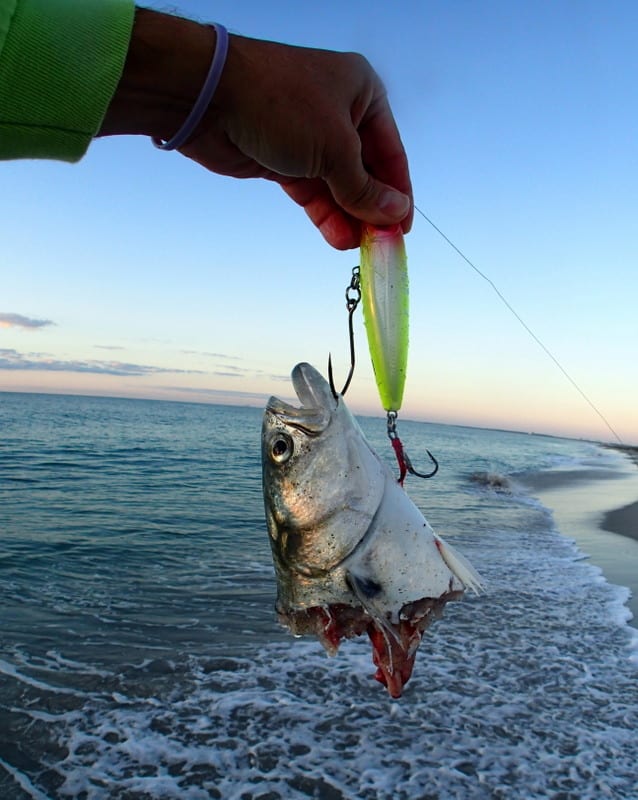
(492, 480)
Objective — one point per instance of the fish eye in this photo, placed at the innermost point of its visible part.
(281, 448)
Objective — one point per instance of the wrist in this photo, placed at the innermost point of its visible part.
(165, 68)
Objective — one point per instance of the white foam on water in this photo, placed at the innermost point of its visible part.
(23, 782)
(293, 724)
(528, 691)
(12, 671)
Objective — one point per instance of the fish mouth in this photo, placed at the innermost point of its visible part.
(315, 396)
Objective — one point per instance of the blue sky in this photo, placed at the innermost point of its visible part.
(520, 120)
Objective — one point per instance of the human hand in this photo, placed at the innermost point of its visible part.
(314, 121)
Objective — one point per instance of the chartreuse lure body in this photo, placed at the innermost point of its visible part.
(384, 296)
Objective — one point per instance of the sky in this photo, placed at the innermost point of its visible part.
(136, 273)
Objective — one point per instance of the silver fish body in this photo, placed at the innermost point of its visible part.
(352, 553)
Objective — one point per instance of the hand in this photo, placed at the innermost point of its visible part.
(316, 122)
(309, 120)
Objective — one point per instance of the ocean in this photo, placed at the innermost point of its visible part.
(140, 657)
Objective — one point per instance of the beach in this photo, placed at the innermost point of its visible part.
(596, 506)
(624, 521)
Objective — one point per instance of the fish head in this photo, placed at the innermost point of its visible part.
(352, 553)
(322, 485)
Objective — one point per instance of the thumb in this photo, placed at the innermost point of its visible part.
(366, 198)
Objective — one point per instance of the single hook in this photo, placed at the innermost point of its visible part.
(353, 296)
(331, 379)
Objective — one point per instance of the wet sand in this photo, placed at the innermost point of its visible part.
(627, 449)
(623, 521)
(597, 507)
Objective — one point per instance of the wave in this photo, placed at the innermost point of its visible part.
(492, 480)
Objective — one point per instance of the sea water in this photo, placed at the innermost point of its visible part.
(140, 656)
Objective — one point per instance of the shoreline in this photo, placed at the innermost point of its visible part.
(628, 449)
(623, 520)
(597, 508)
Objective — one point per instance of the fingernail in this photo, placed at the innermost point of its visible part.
(395, 204)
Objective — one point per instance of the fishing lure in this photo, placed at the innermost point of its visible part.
(385, 297)
(381, 284)
(385, 300)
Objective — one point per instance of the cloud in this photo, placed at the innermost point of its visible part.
(216, 392)
(12, 360)
(226, 370)
(244, 372)
(19, 321)
(108, 347)
(227, 395)
(208, 354)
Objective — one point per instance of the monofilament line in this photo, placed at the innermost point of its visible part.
(513, 311)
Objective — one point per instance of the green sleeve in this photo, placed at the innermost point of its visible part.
(60, 63)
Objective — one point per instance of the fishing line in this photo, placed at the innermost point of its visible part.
(512, 310)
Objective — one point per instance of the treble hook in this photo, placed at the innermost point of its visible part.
(352, 301)
(412, 471)
(403, 459)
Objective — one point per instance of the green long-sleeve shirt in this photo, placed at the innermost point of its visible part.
(60, 63)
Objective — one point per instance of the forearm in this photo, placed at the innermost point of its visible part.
(317, 122)
(60, 61)
(165, 68)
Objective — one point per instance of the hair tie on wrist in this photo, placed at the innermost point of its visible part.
(205, 96)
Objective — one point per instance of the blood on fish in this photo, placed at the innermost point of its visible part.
(393, 649)
(394, 656)
(394, 664)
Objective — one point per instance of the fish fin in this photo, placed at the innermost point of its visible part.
(459, 566)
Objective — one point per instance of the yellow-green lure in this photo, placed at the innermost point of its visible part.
(384, 294)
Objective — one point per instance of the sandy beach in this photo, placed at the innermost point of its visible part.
(628, 449)
(597, 507)
(624, 521)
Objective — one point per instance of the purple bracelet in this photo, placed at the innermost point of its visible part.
(205, 96)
